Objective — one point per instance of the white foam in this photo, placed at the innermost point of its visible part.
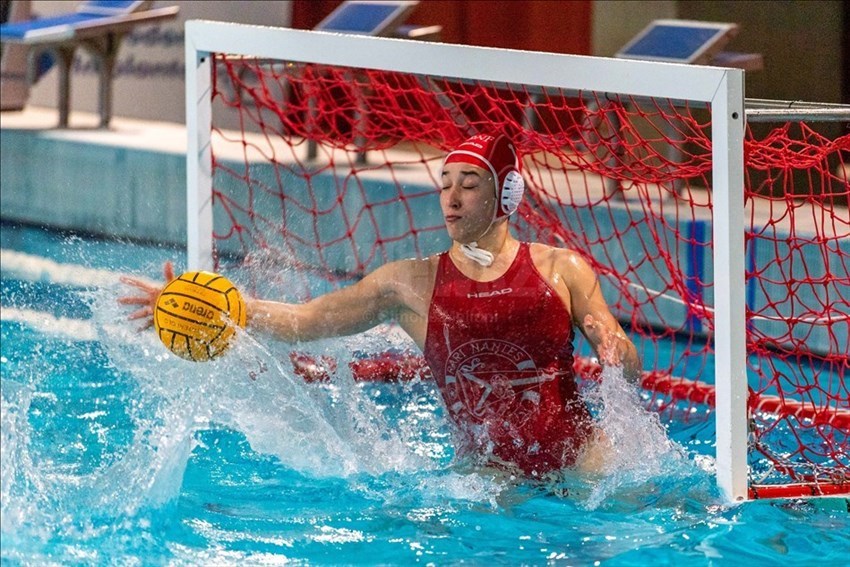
(67, 328)
(48, 324)
(14, 405)
(640, 448)
(30, 267)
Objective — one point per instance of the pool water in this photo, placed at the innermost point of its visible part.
(116, 452)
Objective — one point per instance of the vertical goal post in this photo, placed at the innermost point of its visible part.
(721, 88)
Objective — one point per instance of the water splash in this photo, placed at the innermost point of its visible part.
(317, 429)
(640, 454)
(14, 505)
(322, 430)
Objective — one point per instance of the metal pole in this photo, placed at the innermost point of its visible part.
(727, 140)
(781, 115)
(199, 221)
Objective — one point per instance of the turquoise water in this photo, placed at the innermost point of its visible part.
(115, 452)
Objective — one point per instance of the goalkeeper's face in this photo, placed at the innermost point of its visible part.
(468, 201)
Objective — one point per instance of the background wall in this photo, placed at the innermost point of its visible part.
(805, 44)
(615, 22)
(558, 26)
(802, 43)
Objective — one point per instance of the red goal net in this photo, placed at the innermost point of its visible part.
(332, 171)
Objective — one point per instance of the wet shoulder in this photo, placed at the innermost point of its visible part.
(416, 275)
(550, 260)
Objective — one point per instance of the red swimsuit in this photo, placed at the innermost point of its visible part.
(502, 355)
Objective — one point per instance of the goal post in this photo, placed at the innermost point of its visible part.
(199, 214)
(713, 305)
(727, 111)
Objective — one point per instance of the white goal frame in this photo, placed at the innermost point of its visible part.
(722, 88)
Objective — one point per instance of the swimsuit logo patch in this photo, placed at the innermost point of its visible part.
(491, 376)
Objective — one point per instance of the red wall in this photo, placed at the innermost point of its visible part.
(559, 26)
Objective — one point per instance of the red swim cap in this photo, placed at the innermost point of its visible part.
(495, 154)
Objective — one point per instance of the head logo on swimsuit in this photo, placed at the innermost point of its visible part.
(494, 293)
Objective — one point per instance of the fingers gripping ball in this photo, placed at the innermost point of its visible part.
(196, 313)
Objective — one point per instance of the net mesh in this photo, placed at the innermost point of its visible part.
(331, 172)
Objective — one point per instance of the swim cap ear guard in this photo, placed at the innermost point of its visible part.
(497, 155)
(513, 188)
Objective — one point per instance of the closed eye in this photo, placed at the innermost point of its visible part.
(467, 179)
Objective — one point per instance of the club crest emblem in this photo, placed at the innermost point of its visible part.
(491, 377)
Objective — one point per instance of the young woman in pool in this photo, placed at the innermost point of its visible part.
(494, 317)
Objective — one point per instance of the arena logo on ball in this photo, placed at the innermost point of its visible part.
(198, 310)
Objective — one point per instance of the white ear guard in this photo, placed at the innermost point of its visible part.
(510, 195)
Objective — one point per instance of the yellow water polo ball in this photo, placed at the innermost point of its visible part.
(196, 315)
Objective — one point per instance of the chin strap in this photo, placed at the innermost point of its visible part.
(479, 255)
(473, 252)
